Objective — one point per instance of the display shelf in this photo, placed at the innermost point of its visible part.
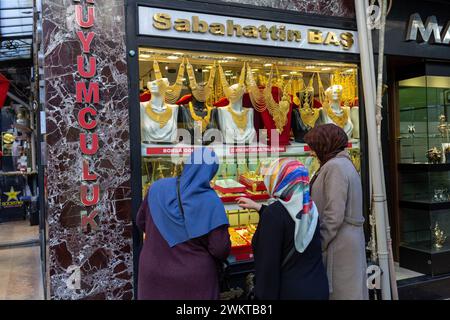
(424, 205)
(427, 247)
(423, 167)
(295, 148)
(421, 258)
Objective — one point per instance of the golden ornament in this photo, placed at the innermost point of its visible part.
(239, 119)
(205, 120)
(201, 92)
(173, 92)
(160, 117)
(340, 120)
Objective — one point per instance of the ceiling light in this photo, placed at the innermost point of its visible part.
(268, 65)
(144, 56)
(326, 69)
(167, 68)
(173, 57)
(285, 75)
(310, 67)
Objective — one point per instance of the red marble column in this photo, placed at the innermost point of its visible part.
(88, 150)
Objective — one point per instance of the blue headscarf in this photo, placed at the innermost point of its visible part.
(203, 210)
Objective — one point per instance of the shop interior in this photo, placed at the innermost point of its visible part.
(247, 93)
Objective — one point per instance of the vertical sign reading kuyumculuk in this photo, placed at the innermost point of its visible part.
(88, 150)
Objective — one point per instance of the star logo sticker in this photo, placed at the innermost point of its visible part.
(12, 195)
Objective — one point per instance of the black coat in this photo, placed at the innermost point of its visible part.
(303, 277)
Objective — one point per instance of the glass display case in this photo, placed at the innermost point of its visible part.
(210, 92)
(424, 173)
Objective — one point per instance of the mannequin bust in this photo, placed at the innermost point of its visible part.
(332, 111)
(197, 114)
(158, 119)
(236, 122)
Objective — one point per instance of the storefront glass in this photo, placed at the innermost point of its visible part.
(199, 106)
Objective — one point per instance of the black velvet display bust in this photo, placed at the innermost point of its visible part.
(186, 120)
(298, 127)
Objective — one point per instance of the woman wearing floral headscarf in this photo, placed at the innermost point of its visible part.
(336, 189)
(286, 245)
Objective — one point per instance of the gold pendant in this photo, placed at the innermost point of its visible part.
(341, 120)
(239, 119)
(309, 116)
(161, 118)
(204, 121)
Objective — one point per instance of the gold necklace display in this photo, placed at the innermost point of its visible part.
(232, 94)
(262, 99)
(239, 119)
(340, 120)
(204, 120)
(349, 85)
(200, 92)
(278, 111)
(256, 94)
(161, 118)
(308, 114)
(174, 91)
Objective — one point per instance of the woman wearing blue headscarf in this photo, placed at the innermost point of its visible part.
(186, 230)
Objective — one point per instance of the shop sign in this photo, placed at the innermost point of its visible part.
(428, 32)
(88, 95)
(12, 199)
(198, 26)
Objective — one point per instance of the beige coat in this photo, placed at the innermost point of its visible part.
(337, 193)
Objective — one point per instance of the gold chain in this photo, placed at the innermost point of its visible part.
(174, 91)
(161, 118)
(205, 120)
(255, 93)
(201, 92)
(309, 116)
(278, 111)
(232, 94)
(341, 120)
(239, 119)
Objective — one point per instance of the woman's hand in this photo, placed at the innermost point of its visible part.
(247, 203)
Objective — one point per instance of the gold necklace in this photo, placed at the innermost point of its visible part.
(233, 94)
(201, 92)
(309, 116)
(278, 111)
(205, 120)
(161, 118)
(174, 91)
(239, 119)
(341, 120)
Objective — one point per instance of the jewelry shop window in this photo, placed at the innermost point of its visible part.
(249, 109)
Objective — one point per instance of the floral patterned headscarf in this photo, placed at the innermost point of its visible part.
(287, 181)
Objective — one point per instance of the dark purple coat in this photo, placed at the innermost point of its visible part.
(186, 271)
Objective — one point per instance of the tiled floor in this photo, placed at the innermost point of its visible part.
(17, 231)
(20, 267)
(20, 274)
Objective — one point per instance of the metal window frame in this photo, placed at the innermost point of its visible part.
(135, 41)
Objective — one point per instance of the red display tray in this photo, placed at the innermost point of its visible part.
(260, 186)
(237, 188)
(257, 197)
(242, 252)
(233, 198)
